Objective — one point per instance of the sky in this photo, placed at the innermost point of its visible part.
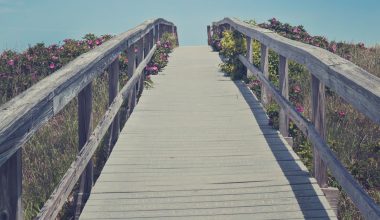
(26, 22)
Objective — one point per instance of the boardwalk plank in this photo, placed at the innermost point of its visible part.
(198, 147)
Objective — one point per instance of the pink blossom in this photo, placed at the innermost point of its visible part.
(333, 48)
(296, 30)
(90, 42)
(98, 42)
(341, 114)
(52, 66)
(135, 50)
(300, 108)
(54, 58)
(11, 62)
(158, 43)
(297, 89)
(147, 77)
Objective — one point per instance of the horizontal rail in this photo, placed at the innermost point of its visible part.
(352, 83)
(365, 204)
(58, 198)
(24, 114)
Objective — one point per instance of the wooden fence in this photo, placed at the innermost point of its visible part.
(24, 114)
(356, 86)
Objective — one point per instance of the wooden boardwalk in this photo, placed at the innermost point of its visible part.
(198, 146)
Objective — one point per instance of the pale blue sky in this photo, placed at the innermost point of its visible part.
(24, 22)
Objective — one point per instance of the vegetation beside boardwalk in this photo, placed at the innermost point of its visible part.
(50, 151)
(354, 138)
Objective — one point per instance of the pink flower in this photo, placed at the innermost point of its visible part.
(98, 42)
(299, 108)
(296, 89)
(147, 77)
(296, 30)
(54, 58)
(52, 66)
(135, 50)
(11, 62)
(158, 43)
(333, 48)
(90, 42)
(341, 114)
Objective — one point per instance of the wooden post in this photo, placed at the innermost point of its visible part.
(113, 90)
(84, 132)
(284, 88)
(131, 56)
(249, 54)
(318, 118)
(208, 35)
(161, 31)
(264, 64)
(176, 36)
(156, 35)
(140, 56)
(11, 188)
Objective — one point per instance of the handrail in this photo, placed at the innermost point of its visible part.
(352, 83)
(24, 114)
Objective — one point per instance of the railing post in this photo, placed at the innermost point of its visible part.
(208, 35)
(140, 56)
(131, 56)
(161, 30)
(264, 63)
(84, 132)
(156, 35)
(249, 54)
(113, 90)
(176, 36)
(11, 188)
(284, 88)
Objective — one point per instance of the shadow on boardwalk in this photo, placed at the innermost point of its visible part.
(317, 209)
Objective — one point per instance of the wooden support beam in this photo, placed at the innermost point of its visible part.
(208, 35)
(318, 118)
(284, 88)
(11, 188)
(249, 54)
(176, 35)
(264, 65)
(131, 56)
(113, 90)
(84, 132)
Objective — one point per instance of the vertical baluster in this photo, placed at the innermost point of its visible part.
(284, 88)
(318, 118)
(156, 35)
(84, 131)
(176, 35)
(131, 56)
(208, 35)
(113, 90)
(11, 187)
(249, 54)
(264, 69)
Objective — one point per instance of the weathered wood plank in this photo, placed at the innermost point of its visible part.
(284, 88)
(318, 118)
(11, 188)
(113, 90)
(365, 204)
(352, 83)
(264, 65)
(249, 53)
(84, 132)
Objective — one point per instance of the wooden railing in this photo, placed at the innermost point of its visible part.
(23, 115)
(356, 86)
